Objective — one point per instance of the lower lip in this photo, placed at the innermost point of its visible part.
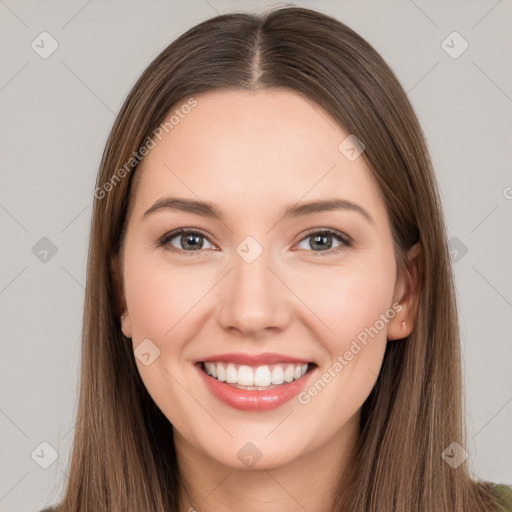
(253, 400)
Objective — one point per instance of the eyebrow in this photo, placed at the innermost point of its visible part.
(294, 210)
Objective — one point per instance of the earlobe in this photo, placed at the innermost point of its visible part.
(119, 299)
(126, 325)
(407, 294)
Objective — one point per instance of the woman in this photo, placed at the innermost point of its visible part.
(305, 356)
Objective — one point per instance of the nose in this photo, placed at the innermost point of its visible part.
(254, 298)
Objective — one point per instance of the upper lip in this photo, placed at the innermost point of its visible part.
(254, 359)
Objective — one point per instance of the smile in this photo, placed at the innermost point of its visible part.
(255, 383)
(255, 377)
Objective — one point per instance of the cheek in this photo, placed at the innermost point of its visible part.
(160, 297)
(352, 303)
(347, 301)
(356, 296)
(163, 303)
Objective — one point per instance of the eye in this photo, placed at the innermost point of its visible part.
(192, 241)
(321, 242)
(187, 240)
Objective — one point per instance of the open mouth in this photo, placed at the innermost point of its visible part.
(256, 378)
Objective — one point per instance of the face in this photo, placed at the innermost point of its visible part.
(264, 291)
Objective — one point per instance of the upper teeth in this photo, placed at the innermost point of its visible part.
(265, 375)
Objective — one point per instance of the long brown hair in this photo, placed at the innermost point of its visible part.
(123, 456)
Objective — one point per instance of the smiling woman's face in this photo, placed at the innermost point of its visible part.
(256, 282)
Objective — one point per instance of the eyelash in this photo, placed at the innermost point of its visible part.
(345, 241)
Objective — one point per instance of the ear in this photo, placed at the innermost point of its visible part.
(407, 291)
(119, 297)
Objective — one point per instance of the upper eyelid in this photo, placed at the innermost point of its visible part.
(329, 231)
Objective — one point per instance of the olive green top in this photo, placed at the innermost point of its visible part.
(503, 495)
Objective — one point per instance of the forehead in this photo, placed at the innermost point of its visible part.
(250, 149)
(256, 128)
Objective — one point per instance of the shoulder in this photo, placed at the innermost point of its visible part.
(49, 509)
(503, 495)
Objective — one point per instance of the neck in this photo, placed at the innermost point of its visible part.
(307, 483)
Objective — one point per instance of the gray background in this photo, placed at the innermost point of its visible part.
(56, 115)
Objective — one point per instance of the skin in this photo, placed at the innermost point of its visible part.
(252, 153)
